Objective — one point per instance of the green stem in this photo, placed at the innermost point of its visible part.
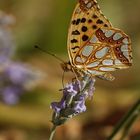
(129, 118)
(52, 132)
(128, 127)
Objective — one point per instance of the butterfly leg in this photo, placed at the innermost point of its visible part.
(63, 75)
(76, 74)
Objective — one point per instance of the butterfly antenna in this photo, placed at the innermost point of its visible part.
(42, 50)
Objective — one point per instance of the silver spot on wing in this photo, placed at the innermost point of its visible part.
(117, 36)
(109, 33)
(94, 39)
(106, 69)
(87, 50)
(101, 53)
(94, 64)
(107, 62)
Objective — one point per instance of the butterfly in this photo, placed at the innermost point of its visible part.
(94, 46)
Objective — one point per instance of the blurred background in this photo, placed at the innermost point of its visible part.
(30, 79)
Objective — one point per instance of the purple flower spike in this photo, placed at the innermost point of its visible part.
(18, 73)
(72, 88)
(14, 79)
(74, 98)
(91, 88)
(6, 19)
(79, 105)
(58, 106)
(7, 45)
(10, 95)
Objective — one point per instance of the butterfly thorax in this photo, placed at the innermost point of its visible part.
(68, 67)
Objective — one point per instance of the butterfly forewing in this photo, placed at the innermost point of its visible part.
(83, 25)
(94, 46)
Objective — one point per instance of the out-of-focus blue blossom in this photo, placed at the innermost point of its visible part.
(13, 81)
(6, 41)
(18, 73)
(15, 77)
(11, 94)
(6, 19)
(74, 97)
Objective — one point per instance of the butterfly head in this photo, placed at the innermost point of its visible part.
(66, 66)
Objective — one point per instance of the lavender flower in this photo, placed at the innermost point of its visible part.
(11, 94)
(15, 77)
(6, 42)
(6, 19)
(13, 81)
(73, 100)
(18, 73)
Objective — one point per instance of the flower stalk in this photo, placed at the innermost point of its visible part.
(72, 102)
(52, 132)
(126, 122)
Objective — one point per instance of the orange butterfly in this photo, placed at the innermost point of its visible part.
(94, 46)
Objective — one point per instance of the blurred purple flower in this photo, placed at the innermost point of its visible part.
(15, 77)
(74, 97)
(18, 73)
(11, 94)
(6, 19)
(7, 46)
(13, 81)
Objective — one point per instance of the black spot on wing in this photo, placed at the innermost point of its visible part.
(94, 16)
(74, 22)
(83, 20)
(76, 47)
(89, 21)
(99, 21)
(84, 29)
(78, 21)
(85, 37)
(76, 32)
(74, 41)
(94, 27)
(105, 25)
